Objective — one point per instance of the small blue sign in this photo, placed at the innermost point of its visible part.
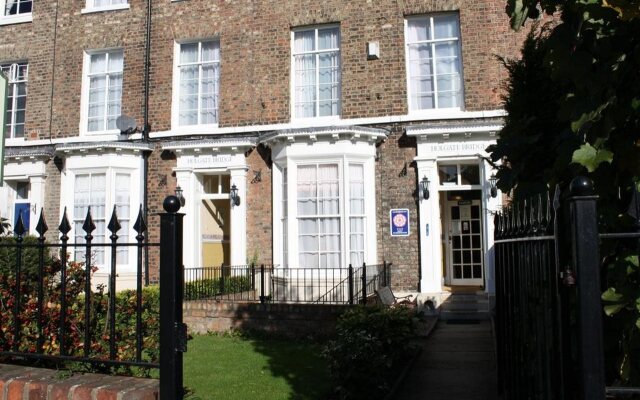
(399, 219)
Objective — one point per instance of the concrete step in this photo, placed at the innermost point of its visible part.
(447, 315)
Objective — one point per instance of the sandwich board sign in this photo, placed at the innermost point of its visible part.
(4, 86)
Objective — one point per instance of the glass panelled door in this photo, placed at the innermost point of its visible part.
(464, 242)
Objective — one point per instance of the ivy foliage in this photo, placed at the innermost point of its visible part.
(573, 104)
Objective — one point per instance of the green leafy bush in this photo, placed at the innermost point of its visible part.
(208, 288)
(25, 296)
(370, 347)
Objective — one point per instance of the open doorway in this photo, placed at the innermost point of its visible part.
(215, 221)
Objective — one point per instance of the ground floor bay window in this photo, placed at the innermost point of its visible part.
(324, 199)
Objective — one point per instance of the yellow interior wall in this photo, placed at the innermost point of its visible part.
(215, 227)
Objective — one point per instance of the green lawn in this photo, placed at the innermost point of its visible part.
(227, 368)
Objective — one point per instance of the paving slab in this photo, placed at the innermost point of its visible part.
(457, 362)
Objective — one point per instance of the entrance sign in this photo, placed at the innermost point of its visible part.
(3, 124)
(399, 219)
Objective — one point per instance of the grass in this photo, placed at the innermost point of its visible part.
(233, 367)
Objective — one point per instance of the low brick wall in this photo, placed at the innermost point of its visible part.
(18, 383)
(286, 319)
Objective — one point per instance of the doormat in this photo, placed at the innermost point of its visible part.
(463, 322)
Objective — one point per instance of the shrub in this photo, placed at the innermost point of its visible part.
(208, 288)
(370, 347)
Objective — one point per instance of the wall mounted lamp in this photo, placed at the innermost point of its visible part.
(235, 199)
(180, 196)
(493, 181)
(424, 187)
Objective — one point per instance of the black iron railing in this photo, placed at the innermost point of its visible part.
(53, 310)
(274, 284)
(548, 297)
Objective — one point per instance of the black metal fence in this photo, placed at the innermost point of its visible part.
(52, 309)
(274, 284)
(548, 297)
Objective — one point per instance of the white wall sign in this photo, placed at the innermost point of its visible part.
(208, 161)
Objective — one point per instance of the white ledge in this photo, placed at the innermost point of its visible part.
(113, 7)
(16, 19)
(319, 123)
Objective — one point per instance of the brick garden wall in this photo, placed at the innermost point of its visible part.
(295, 320)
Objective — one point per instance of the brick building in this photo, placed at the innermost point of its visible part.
(327, 118)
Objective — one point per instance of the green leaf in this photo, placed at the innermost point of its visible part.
(590, 157)
(638, 323)
(612, 309)
(611, 295)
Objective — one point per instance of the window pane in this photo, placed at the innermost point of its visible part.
(448, 174)
(419, 29)
(199, 83)
(470, 174)
(328, 38)
(445, 26)
(188, 53)
(304, 41)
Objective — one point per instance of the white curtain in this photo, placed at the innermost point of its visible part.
(199, 83)
(319, 216)
(317, 72)
(89, 192)
(123, 210)
(356, 212)
(434, 66)
(105, 90)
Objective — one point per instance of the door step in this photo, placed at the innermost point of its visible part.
(465, 307)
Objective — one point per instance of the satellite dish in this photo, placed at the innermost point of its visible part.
(126, 124)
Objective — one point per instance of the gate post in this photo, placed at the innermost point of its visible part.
(586, 261)
(173, 333)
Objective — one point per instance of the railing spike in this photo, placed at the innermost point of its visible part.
(114, 225)
(20, 229)
(88, 226)
(140, 226)
(64, 226)
(42, 226)
(542, 222)
(533, 220)
(634, 205)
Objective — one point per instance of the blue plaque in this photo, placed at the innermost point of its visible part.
(399, 219)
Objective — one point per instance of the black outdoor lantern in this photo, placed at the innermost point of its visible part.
(235, 199)
(493, 181)
(180, 196)
(424, 187)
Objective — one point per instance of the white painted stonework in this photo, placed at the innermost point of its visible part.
(449, 145)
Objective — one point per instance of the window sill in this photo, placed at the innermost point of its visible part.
(315, 121)
(195, 129)
(16, 19)
(435, 113)
(113, 134)
(14, 141)
(115, 7)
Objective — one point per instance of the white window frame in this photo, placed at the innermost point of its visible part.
(292, 217)
(13, 81)
(15, 18)
(110, 200)
(84, 98)
(292, 89)
(436, 111)
(90, 7)
(175, 100)
(458, 185)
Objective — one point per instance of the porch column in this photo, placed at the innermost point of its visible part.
(239, 217)
(429, 229)
(37, 200)
(191, 242)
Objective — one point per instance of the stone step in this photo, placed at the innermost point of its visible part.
(446, 315)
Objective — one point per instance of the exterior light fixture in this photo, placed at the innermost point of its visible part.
(424, 187)
(235, 199)
(493, 180)
(180, 196)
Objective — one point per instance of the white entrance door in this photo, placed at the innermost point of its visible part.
(463, 230)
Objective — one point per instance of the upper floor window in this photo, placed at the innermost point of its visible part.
(105, 5)
(434, 67)
(16, 98)
(198, 70)
(316, 72)
(104, 89)
(15, 11)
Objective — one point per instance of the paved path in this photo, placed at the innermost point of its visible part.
(457, 363)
